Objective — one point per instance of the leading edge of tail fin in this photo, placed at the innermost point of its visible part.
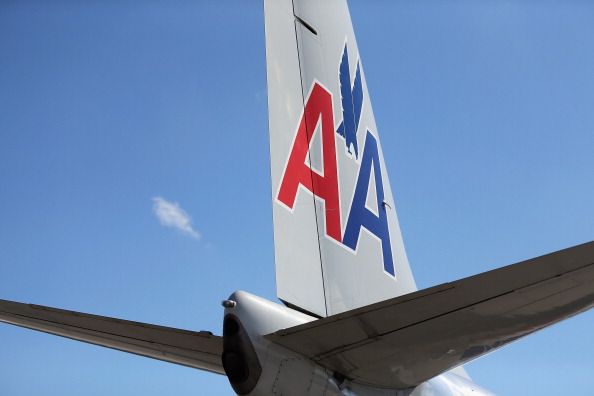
(338, 244)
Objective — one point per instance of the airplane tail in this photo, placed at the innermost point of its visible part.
(338, 244)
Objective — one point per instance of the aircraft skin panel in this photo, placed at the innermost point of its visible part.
(200, 350)
(404, 341)
(297, 256)
(337, 239)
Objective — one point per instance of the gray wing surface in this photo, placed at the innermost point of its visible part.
(200, 350)
(406, 340)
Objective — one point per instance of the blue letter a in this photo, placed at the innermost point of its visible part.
(360, 215)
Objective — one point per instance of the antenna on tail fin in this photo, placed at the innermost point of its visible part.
(338, 244)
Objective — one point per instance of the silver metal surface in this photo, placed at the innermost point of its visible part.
(200, 350)
(404, 341)
(305, 41)
(287, 373)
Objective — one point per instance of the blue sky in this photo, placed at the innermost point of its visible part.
(485, 114)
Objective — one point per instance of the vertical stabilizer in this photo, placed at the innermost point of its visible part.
(338, 244)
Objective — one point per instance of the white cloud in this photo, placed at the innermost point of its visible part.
(170, 214)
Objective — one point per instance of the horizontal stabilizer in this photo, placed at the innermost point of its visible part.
(401, 342)
(200, 350)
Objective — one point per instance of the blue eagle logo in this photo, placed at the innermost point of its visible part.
(351, 101)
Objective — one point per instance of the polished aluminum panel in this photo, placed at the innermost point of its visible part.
(404, 341)
(200, 350)
(317, 269)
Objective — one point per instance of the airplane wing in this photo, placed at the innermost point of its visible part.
(200, 350)
(406, 340)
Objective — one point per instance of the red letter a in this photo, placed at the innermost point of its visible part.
(318, 104)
